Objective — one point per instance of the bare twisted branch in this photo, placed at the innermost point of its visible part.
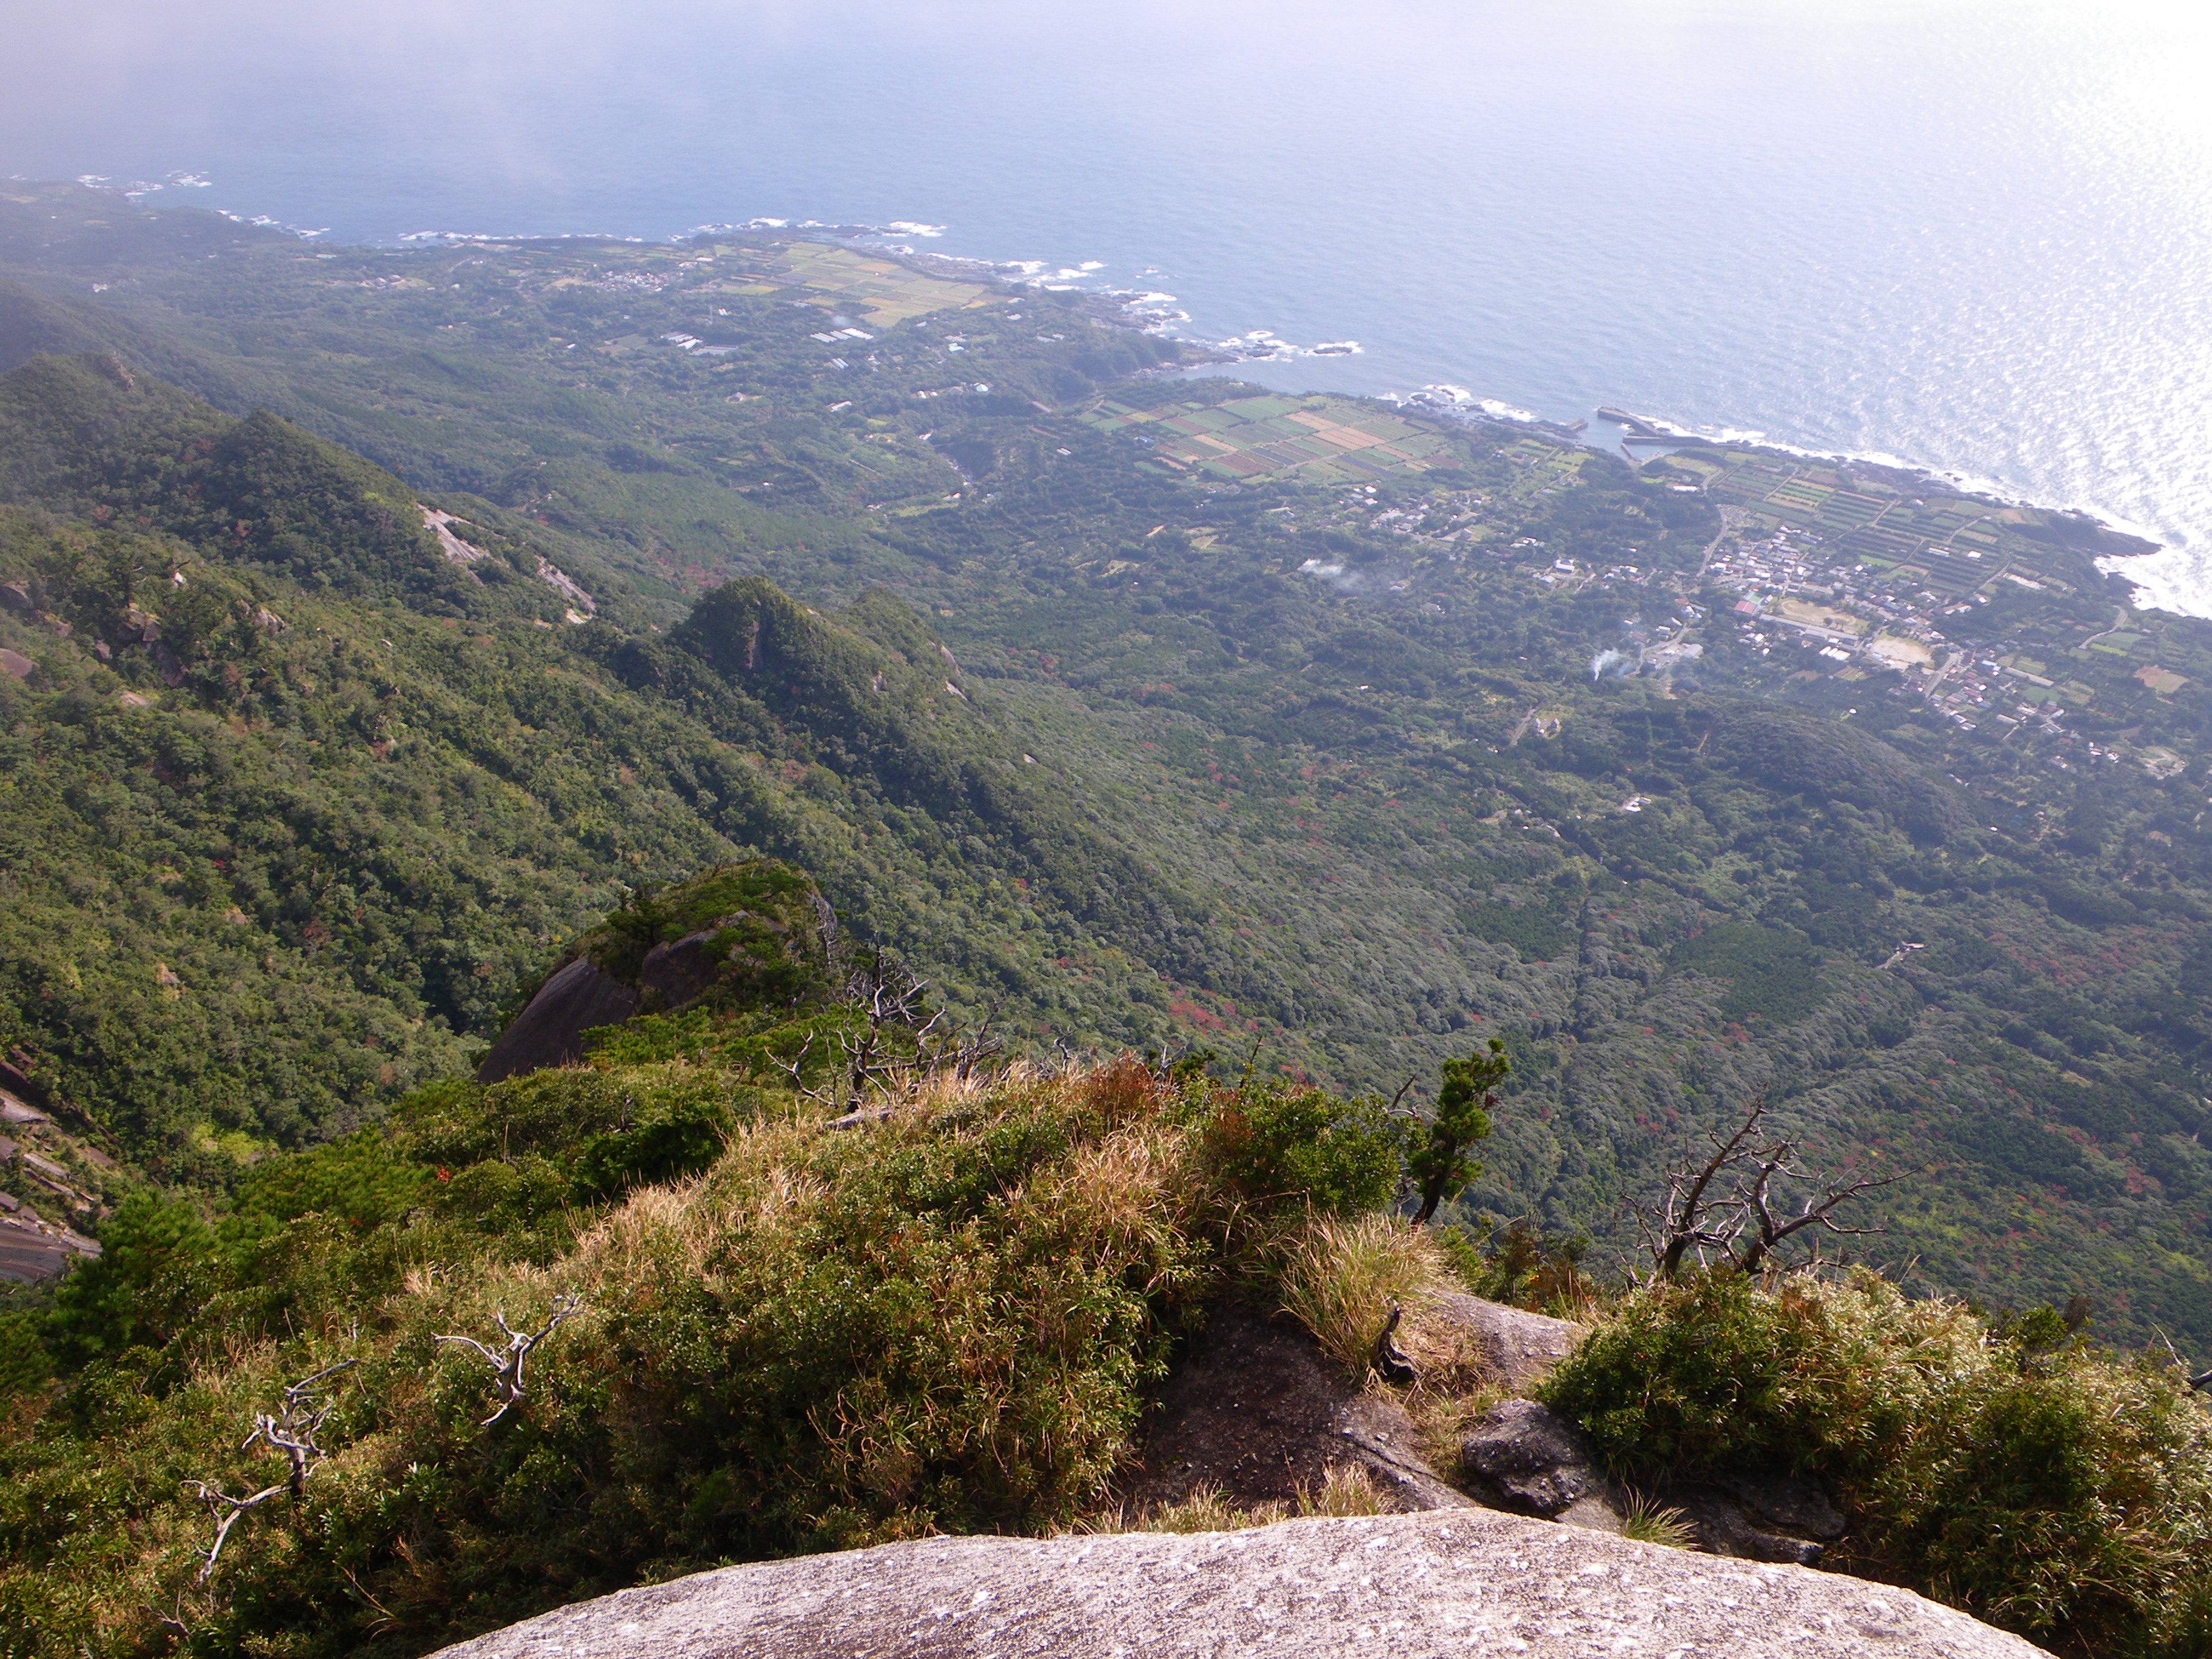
(1727, 1207)
(507, 1362)
(292, 1428)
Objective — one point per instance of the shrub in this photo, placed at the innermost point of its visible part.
(1272, 1141)
(361, 1178)
(945, 1320)
(2066, 1495)
(136, 1292)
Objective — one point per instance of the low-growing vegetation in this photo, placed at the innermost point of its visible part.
(941, 1319)
(538, 1340)
(2007, 1466)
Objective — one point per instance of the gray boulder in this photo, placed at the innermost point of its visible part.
(1525, 1457)
(550, 1030)
(1764, 1517)
(1516, 1346)
(676, 972)
(1457, 1581)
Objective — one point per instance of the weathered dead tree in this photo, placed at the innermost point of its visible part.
(887, 994)
(962, 1053)
(507, 1362)
(899, 1036)
(291, 1429)
(1725, 1211)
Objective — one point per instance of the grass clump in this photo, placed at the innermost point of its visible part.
(1341, 1273)
(1205, 1508)
(1345, 1489)
(1647, 1522)
(2055, 1490)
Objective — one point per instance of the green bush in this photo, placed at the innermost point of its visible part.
(1272, 1140)
(138, 1290)
(23, 1363)
(360, 1178)
(2063, 1493)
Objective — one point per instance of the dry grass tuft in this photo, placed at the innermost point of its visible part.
(1456, 1383)
(1647, 1522)
(1340, 1275)
(1345, 1489)
(1205, 1508)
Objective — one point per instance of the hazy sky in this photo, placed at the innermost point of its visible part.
(522, 93)
(1976, 233)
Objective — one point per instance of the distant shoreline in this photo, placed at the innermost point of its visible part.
(1115, 305)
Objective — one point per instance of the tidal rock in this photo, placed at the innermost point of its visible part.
(550, 1030)
(1410, 1586)
(1524, 1457)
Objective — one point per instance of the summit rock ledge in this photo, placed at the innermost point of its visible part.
(1458, 1581)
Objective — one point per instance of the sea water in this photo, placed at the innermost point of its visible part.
(1972, 234)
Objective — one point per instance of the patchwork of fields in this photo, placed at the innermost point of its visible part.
(1318, 440)
(1951, 544)
(881, 290)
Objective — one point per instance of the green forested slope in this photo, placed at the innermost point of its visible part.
(1219, 762)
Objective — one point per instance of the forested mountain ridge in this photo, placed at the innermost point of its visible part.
(1162, 755)
(277, 854)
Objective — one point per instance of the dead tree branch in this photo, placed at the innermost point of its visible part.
(292, 1428)
(507, 1362)
(1727, 1209)
(888, 996)
(214, 1497)
(965, 1053)
(897, 1036)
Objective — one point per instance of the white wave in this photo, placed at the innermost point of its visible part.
(914, 227)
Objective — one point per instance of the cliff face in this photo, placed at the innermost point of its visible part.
(1455, 1581)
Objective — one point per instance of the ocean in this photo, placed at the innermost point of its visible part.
(1973, 236)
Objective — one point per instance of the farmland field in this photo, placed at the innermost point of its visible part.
(1320, 440)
